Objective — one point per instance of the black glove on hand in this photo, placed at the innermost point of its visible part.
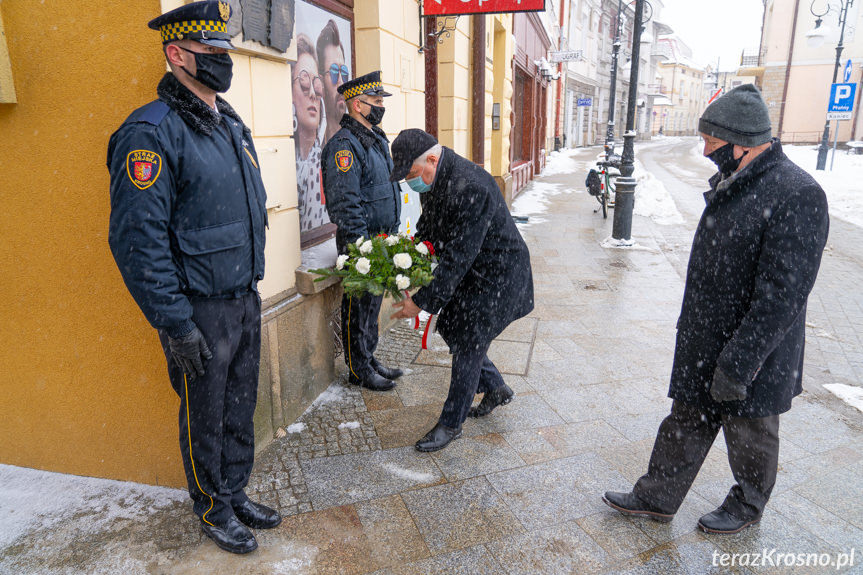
(726, 389)
(187, 352)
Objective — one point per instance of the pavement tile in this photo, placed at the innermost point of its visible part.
(822, 523)
(478, 455)
(459, 515)
(557, 491)
(403, 427)
(356, 477)
(839, 492)
(510, 356)
(526, 411)
(523, 330)
(473, 561)
(557, 550)
(391, 532)
(424, 385)
(619, 536)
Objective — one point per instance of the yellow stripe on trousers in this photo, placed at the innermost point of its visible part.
(192, 459)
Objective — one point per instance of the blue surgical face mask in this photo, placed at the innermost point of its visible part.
(417, 184)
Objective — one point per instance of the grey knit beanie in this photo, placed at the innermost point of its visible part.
(738, 117)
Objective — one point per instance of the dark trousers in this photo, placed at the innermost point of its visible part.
(360, 333)
(472, 373)
(682, 444)
(217, 436)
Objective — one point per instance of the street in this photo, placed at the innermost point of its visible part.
(520, 492)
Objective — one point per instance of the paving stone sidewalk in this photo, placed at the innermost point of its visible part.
(520, 492)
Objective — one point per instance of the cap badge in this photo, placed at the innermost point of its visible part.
(224, 10)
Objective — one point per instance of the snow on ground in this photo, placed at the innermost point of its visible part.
(296, 427)
(32, 500)
(349, 425)
(842, 185)
(850, 394)
(561, 162)
(652, 200)
(408, 474)
(533, 201)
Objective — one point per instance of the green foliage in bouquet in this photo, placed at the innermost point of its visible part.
(383, 264)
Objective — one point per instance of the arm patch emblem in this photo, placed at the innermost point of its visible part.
(143, 168)
(344, 160)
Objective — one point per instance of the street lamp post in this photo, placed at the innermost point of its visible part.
(624, 193)
(816, 37)
(615, 50)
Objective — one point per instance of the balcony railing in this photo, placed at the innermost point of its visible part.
(752, 57)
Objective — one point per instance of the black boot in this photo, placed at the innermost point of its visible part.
(373, 381)
(387, 372)
(257, 516)
(630, 504)
(500, 396)
(231, 535)
(722, 522)
(438, 438)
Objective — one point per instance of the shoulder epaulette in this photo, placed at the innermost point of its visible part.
(152, 113)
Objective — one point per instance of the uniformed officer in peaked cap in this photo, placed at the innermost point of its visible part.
(362, 202)
(187, 230)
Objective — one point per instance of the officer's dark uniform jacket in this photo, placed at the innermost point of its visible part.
(361, 200)
(183, 225)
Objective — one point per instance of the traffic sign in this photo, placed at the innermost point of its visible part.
(841, 101)
(846, 75)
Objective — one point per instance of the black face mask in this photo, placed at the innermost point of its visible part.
(724, 159)
(215, 71)
(376, 114)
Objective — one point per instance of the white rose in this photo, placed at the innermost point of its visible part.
(421, 248)
(366, 248)
(341, 260)
(392, 240)
(363, 265)
(360, 241)
(402, 260)
(403, 282)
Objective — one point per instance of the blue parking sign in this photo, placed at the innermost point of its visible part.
(841, 101)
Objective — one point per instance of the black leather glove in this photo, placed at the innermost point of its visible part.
(188, 350)
(726, 389)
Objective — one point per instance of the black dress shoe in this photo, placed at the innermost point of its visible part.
(373, 381)
(438, 438)
(494, 398)
(630, 504)
(257, 516)
(388, 372)
(231, 536)
(723, 522)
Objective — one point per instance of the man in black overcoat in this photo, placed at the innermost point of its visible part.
(483, 280)
(738, 361)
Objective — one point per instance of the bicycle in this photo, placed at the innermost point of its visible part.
(602, 184)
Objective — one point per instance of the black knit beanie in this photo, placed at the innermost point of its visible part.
(738, 117)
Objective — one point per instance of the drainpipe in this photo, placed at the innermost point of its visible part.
(477, 125)
(787, 67)
(431, 76)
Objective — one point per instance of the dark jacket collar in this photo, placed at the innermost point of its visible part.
(764, 161)
(363, 134)
(191, 108)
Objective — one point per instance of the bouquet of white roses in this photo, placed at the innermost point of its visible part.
(383, 264)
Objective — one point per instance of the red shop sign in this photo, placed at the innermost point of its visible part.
(452, 7)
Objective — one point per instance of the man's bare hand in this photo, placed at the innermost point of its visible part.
(406, 309)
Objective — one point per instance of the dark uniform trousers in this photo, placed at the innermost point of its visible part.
(682, 444)
(217, 436)
(360, 332)
(472, 373)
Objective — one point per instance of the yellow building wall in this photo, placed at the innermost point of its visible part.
(386, 35)
(85, 387)
(454, 88)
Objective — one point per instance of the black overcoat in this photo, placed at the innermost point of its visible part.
(483, 280)
(754, 260)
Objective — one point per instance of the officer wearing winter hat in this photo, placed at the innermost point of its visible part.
(362, 202)
(187, 231)
(738, 362)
